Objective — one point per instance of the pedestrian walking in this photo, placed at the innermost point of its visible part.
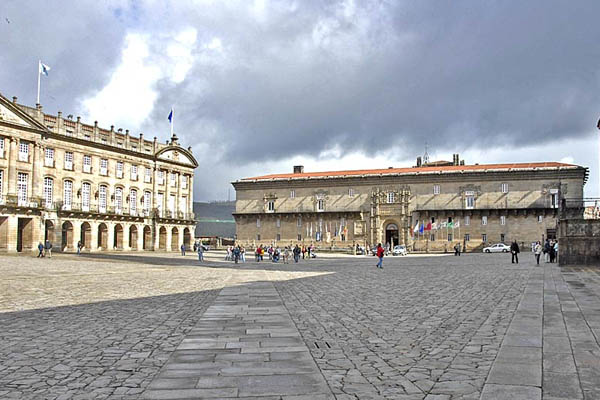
(457, 249)
(200, 252)
(48, 248)
(303, 251)
(183, 249)
(555, 249)
(242, 254)
(297, 252)
(537, 250)
(79, 248)
(514, 250)
(547, 251)
(41, 250)
(380, 254)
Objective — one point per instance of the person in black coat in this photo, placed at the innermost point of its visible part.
(514, 250)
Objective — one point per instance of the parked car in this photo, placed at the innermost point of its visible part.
(399, 250)
(497, 248)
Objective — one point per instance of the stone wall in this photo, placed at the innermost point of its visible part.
(579, 242)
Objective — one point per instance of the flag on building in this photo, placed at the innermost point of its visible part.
(443, 224)
(421, 228)
(457, 224)
(416, 229)
(43, 68)
(428, 227)
(450, 224)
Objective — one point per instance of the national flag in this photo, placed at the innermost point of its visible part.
(416, 229)
(434, 226)
(44, 68)
(457, 224)
(422, 228)
(428, 227)
(450, 224)
(443, 224)
(170, 117)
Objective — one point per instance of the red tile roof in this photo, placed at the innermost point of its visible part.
(415, 170)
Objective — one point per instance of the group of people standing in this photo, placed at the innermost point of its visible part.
(549, 249)
(45, 249)
(276, 253)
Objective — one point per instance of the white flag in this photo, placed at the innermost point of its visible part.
(416, 227)
(44, 68)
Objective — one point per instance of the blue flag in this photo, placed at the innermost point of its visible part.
(171, 116)
(422, 228)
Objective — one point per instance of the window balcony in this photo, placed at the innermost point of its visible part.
(87, 168)
(119, 174)
(49, 162)
(69, 165)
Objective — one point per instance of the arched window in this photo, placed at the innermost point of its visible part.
(102, 190)
(48, 191)
(67, 195)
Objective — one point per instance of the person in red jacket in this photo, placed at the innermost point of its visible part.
(380, 253)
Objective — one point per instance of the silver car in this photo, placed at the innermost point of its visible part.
(399, 250)
(497, 248)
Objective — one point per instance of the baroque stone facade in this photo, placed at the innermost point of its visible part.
(70, 182)
(474, 205)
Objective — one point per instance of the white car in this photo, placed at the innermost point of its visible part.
(497, 248)
(399, 251)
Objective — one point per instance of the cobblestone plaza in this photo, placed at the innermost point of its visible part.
(152, 326)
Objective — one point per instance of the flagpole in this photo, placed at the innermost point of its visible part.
(38, 91)
(172, 119)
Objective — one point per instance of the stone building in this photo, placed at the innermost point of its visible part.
(474, 205)
(70, 182)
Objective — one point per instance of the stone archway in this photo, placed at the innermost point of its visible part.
(66, 242)
(102, 236)
(86, 236)
(162, 238)
(118, 237)
(147, 238)
(392, 234)
(49, 231)
(133, 237)
(187, 238)
(174, 239)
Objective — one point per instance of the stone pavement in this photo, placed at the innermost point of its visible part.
(435, 327)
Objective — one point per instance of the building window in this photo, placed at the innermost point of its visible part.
(467, 237)
(49, 158)
(133, 201)
(484, 238)
(502, 238)
(173, 179)
(484, 220)
(432, 237)
(159, 203)
(258, 236)
(540, 218)
(469, 200)
(24, 151)
(278, 222)
(1, 147)
(299, 222)
(391, 197)
(69, 160)
(271, 205)
(183, 204)
(467, 220)
(119, 170)
(48, 191)
(320, 205)
(258, 222)
(351, 192)
(554, 198)
(103, 166)
(147, 202)
(436, 189)
(161, 177)
(148, 175)
(134, 172)
(118, 200)
(504, 188)
(22, 189)
(502, 220)
(278, 237)
(449, 237)
(171, 205)
(86, 188)
(87, 164)
(184, 182)
(102, 198)
(1, 184)
(67, 195)
(292, 194)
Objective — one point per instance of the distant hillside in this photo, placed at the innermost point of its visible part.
(215, 219)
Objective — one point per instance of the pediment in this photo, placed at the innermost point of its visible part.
(178, 155)
(12, 114)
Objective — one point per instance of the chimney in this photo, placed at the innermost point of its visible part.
(298, 169)
(462, 162)
(418, 162)
(14, 99)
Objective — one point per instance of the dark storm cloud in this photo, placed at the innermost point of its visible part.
(81, 41)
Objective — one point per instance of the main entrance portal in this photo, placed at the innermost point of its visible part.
(391, 235)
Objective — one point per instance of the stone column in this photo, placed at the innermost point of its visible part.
(94, 236)
(110, 236)
(169, 238)
(11, 230)
(12, 166)
(76, 236)
(190, 195)
(140, 237)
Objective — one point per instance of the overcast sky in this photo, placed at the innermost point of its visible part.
(259, 86)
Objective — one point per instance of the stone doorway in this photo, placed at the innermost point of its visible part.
(86, 236)
(24, 234)
(391, 235)
(118, 239)
(147, 238)
(187, 238)
(66, 242)
(103, 236)
(174, 239)
(162, 238)
(133, 237)
(49, 232)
